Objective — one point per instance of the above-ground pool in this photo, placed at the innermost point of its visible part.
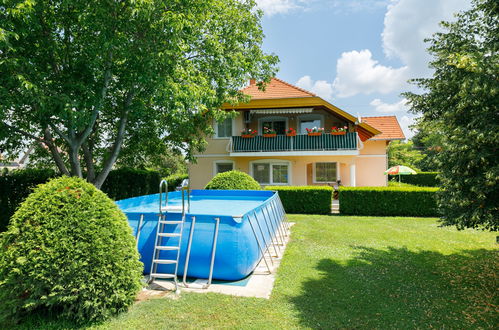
(249, 220)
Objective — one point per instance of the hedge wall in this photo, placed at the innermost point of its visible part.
(127, 182)
(388, 201)
(424, 179)
(305, 199)
(16, 185)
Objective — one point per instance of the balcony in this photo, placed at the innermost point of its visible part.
(326, 144)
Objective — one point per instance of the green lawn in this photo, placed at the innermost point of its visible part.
(349, 272)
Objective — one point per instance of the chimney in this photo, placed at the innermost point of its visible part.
(252, 82)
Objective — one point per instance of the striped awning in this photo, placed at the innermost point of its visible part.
(281, 111)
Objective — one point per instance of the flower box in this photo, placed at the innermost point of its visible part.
(270, 135)
(247, 136)
(314, 133)
(291, 134)
(339, 133)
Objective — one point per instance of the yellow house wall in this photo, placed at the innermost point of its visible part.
(371, 164)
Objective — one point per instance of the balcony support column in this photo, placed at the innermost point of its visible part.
(352, 175)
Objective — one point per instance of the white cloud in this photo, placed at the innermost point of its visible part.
(357, 72)
(320, 87)
(381, 106)
(272, 7)
(405, 122)
(409, 22)
(357, 5)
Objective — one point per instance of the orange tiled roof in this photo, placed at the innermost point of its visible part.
(388, 125)
(276, 89)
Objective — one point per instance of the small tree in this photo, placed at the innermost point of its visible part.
(88, 78)
(461, 99)
(404, 153)
(233, 180)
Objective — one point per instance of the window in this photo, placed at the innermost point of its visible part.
(325, 172)
(224, 129)
(310, 121)
(279, 124)
(271, 172)
(220, 166)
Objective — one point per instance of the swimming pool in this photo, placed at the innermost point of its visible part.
(249, 223)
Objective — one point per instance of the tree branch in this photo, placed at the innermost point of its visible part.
(107, 77)
(22, 132)
(117, 143)
(48, 141)
(60, 133)
(89, 161)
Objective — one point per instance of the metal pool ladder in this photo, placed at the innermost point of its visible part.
(166, 229)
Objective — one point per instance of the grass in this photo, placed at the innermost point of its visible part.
(347, 272)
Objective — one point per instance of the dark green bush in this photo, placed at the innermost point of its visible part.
(424, 179)
(128, 182)
(233, 180)
(306, 199)
(175, 180)
(68, 250)
(15, 186)
(388, 201)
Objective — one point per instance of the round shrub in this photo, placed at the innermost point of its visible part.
(233, 180)
(68, 250)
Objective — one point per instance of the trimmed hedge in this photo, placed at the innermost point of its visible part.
(424, 179)
(305, 199)
(16, 185)
(388, 201)
(233, 180)
(128, 182)
(175, 180)
(69, 250)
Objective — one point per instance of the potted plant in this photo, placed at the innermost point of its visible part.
(269, 132)
(339, 130)
(316, 131)
(290, 132)
(248, 133)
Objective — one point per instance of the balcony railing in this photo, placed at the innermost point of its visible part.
(325, 142)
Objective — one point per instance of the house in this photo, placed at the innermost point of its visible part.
(356, 158)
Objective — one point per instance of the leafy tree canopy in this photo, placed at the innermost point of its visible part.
(88, 78)
(404, 153)
(461, 99)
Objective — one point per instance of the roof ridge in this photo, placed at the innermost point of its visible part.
(293, 86)
(379, 116)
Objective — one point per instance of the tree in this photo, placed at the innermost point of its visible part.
(428, 140)
(461, 99)
(403, 153)
(89, 79)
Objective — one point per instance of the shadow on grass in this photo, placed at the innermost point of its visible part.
(398, 288)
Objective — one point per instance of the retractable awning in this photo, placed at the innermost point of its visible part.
(281, 111)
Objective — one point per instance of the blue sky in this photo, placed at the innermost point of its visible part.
(357, 54)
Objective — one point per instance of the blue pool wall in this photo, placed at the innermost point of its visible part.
(237, 252)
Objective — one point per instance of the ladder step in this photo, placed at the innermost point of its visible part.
(165, 262)
(169, 222)
(172, 208)
(169, 234)
(159, 275)
(166, 248)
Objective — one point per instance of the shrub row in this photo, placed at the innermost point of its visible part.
(424, 179)
(388, 201)
(15, 186)
(128, 182)
(305, 199)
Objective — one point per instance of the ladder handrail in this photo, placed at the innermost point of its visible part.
(161, 184)
(188, 253)
(213, 253)
(137, 236)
